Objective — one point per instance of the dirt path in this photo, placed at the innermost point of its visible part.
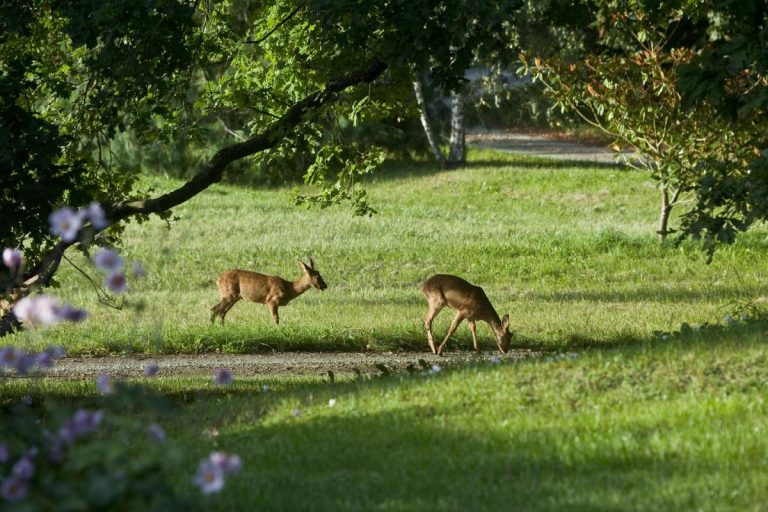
(283, 363)
(541, 145)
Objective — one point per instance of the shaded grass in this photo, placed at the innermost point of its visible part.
(568, 249)
(678, 425)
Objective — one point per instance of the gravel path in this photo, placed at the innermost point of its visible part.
(282, 363)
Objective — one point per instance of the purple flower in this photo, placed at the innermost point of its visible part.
(5, 453)
(12, 258)
(24, 363)
(151, 369)
(156, 432)
(43, 360)
(222, 377)
(116, 282)
(209, 477)
(65, 223)
(72, 314)
(47, 310)
(104, 384)
(107, 260)
(83, 422)
(95, 213)
(14, 489)
(138, 269)
(228, 463)
(24, 310)
(43, 310)
(56, 351)
(24, 468)
(9, 356)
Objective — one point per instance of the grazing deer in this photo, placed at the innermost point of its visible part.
(273, 291)
(470, 303)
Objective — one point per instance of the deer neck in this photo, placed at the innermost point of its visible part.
(299, 286)
(494, 321)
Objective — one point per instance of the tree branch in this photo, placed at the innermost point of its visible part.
(279, 24)
(213, 171)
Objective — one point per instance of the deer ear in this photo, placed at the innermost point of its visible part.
(303, 266)
(310, 263)
(505, 321)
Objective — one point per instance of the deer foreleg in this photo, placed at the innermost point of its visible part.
(454, 325)
(273, 311)
(473, 328)
(215, 311)
(433, 311)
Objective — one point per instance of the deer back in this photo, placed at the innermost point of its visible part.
(252, 286)
(462, 296)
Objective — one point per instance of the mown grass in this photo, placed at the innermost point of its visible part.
(621, 418)
(568, 249)
(671, 425)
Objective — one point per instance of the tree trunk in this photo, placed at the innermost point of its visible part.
(457, 153)
(666, 209)
(418, 90)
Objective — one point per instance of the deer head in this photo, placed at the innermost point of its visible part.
(315, 279)
(503, 336)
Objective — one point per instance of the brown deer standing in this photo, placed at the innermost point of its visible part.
(273, 291)
(470, 303)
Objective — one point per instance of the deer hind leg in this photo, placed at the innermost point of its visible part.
(225, 305)
(473, 328)
(454, 325)
(434, 308)
(216, 310)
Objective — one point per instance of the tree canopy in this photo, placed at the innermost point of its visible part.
(76, 76)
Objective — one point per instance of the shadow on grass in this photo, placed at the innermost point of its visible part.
(424, 457)
(646, 293)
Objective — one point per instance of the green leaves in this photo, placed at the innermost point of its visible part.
(336, 174)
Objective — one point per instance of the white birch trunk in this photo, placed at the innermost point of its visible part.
(418, 90)
(457, 154)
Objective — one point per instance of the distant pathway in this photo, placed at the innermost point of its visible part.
(541, 145)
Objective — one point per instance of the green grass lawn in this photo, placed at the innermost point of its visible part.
(673, 425)
(620, 418)
(567, 249)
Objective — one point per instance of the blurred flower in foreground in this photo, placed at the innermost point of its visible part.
(222, 377)
(14, 488)
(116, 282)
(42, 310)
(211, 471)
(95, 213)
(138, 269)
(151, 369)
(156, 432)
(66, 223)
(107, 259)
(104, 384)
(12, 258)
(21, 361)
(209, 477)
(83, 422)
